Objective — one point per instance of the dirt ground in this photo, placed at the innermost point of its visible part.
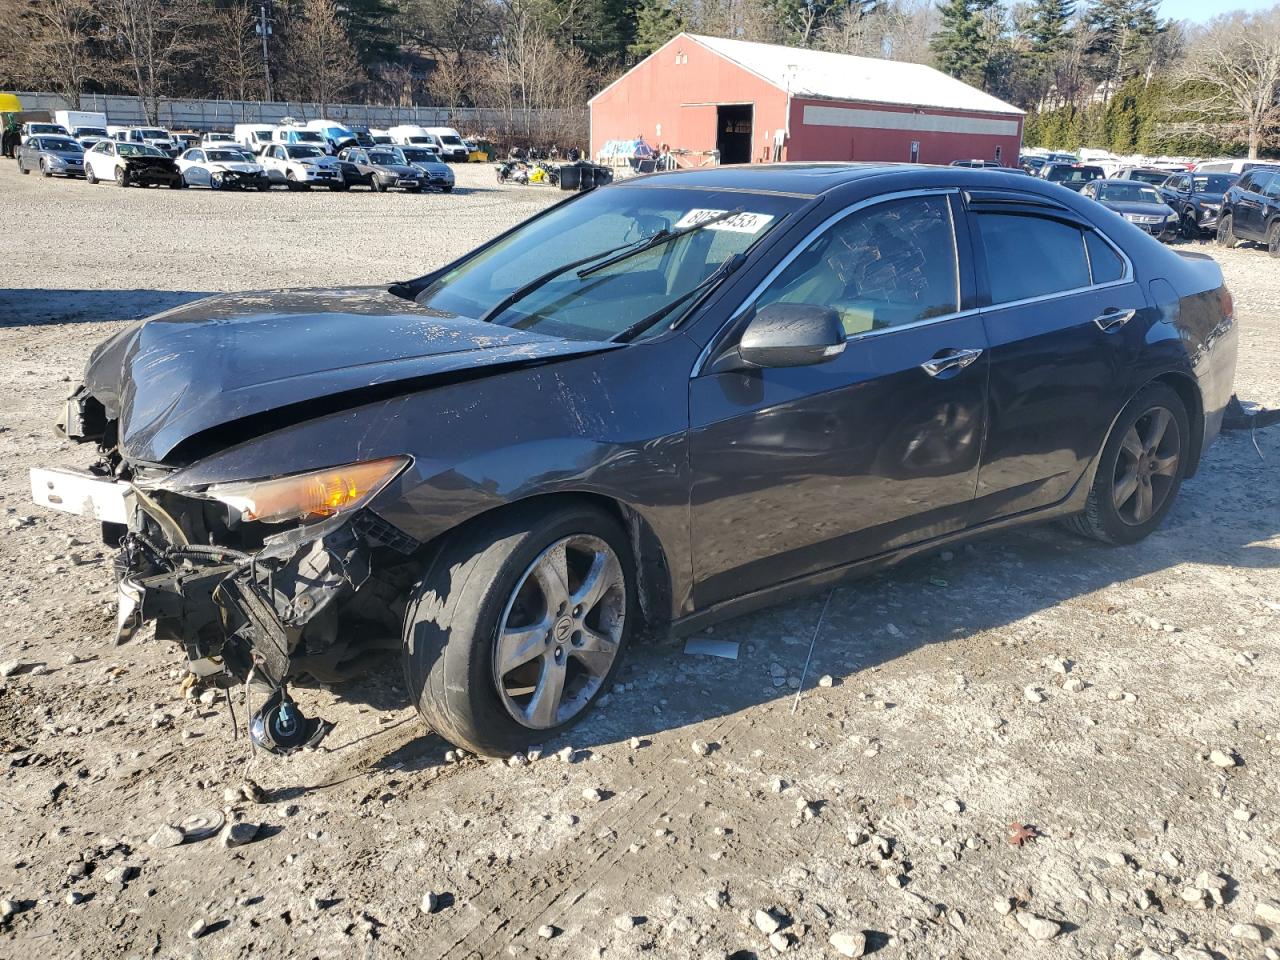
(1031, 679)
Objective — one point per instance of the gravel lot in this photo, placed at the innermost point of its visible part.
(1030, 679)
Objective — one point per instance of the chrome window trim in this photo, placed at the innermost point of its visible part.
(750, 299)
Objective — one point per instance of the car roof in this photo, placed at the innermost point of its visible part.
(815, 179)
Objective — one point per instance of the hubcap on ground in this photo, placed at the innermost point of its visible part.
(1147, 466)
(560, 632)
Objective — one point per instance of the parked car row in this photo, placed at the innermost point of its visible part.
(1187, 205)
(228, 166)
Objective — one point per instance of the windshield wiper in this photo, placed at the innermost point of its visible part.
(519, 293)
(703, 287)
(658, 239)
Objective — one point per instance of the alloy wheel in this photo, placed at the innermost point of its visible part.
(1147, 466)
(560, 632)
(1273, 240)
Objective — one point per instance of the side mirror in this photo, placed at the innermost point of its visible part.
(791, 335)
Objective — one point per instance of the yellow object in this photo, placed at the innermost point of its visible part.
(478, 156)
(302, 496)
(9, 103)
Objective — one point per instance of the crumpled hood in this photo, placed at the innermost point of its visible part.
(227, 358)
(235, 166)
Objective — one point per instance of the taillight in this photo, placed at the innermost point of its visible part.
(1226, 302)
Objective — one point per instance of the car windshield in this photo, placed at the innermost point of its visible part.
(382, 156)
(302, 153)
(138, 150)
(306, 136)
(227, 156)
(418, 155)
(90, 132)
(61, 145)
(1065, 174)
(1213, 183)
(420, 139)
(152, 134)
(1128, 191)
(452, 141)
(611, 300)
(45, 128)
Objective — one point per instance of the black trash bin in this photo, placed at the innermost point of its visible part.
(602, 176)
(570, 176)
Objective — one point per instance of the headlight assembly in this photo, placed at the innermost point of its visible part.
(307, 496)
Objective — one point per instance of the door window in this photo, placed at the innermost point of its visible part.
(880, 267)
(1029, 256)
(1272, 187)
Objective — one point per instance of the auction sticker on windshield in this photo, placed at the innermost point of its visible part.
(738, 223)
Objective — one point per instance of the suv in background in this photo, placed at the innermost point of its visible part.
(1145, 174)
(1251, 210)
(1073, 176)
(1197, 198)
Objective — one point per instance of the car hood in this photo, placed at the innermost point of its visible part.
(237, 166)
(65, 155)
(1138, 207)
(399, 169)
(292, 355)
(1208, 197)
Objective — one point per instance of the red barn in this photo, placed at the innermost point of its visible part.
(756, 102)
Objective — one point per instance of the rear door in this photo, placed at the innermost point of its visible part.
(1064, 321)
(1247, 217)
(801, 469)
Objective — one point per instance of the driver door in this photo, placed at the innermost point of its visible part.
(801, 469)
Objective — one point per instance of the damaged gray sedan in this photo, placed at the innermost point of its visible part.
(652, 406)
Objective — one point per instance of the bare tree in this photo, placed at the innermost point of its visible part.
(58, 56)
(234, 51)
(321, 58)
(153, 40)
(1232, 76)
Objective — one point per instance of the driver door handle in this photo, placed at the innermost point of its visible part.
(949, 360)
(1113, 319)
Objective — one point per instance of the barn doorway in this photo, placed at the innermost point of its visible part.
(733, 132)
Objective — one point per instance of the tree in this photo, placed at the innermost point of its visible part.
(967, 44)
(657, 21)
(153, 40)
(1123, 37)
(321, 57)
(1231, 79)
(233, 51)
(59, 56)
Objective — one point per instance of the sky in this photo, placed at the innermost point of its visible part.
(1199, 11)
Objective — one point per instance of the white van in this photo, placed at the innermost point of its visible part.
(86, 126)
(253, 136)
(300, 135)
(337, 135)
(411, 134)
(451, 145)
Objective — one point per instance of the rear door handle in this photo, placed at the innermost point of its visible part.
(949, 360)
(1113, 319)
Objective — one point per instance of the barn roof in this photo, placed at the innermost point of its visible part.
(839, 76)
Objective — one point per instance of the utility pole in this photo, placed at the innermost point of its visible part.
(264, 28)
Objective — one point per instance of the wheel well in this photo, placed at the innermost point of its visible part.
(1189, 394)
(653, 574)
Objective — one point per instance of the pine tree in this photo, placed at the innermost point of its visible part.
(657, 21)
(964, 45)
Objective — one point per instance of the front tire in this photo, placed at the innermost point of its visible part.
(1140, 469)
(519, 626)
(89, 175)
(1226, 236)
(44, 169)
(122, 177)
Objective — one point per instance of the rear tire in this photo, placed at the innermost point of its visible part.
(25, 171)
(1226, 237)
(1139, 470)
(1273, 240)
(483, 595)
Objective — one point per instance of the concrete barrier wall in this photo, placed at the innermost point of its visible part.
(222, 114)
